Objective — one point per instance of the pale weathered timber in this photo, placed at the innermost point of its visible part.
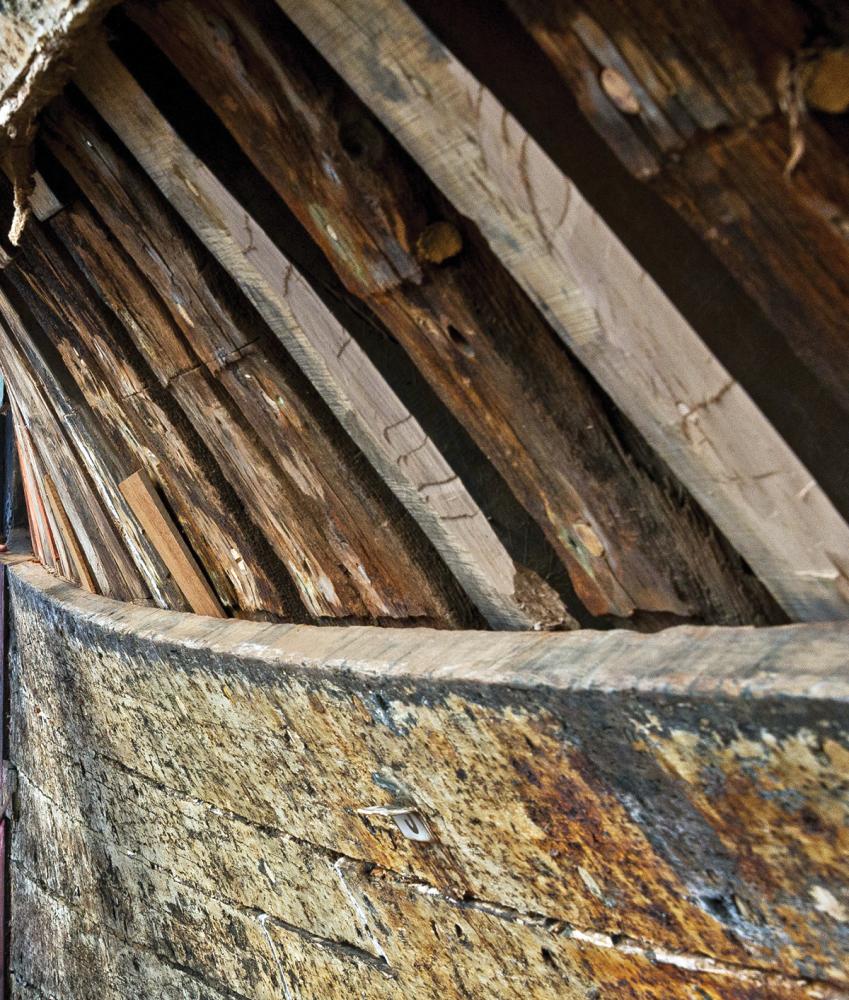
(146, 504)
(382, 427)
(43, 201)
(125, 395)
(611, 313)
(99, 460)
(426, 273)
(111, 565)
(669, 810)
(345, 540)
(36, 516)
(69, 536)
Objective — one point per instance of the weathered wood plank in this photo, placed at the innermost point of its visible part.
(469, 328)
(69, 537)
(685, 790)
(386, 432)
(343, 537)
(79, 963)
(709, 87)
(43, 543)
(100, 460)
(122, 391)
(110, 563)
(159, 527)
(429, 946)
(607, 309)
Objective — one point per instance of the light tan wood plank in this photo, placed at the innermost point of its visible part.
(141, 495)
(69, 536)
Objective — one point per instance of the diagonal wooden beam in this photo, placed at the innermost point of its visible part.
(595, 295)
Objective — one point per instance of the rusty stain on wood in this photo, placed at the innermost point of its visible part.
(655, 815)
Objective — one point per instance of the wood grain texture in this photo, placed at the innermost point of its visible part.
(341, 535)
(119, 387)
(654, 814)
(69, 537)
(110, 563)
(146, 504)
(426, 273)
(101, 463)
(362, 401)
(608, 310)
(709, 134)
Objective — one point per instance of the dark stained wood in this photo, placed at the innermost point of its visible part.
(712, 135)
(348, 545)
(630, 544)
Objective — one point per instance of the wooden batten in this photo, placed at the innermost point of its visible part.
(397, 244)
(146, 504)
(39, 529)
(361, 399)
(69, 538)
(608, 310)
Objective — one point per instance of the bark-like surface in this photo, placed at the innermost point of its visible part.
(657, 816)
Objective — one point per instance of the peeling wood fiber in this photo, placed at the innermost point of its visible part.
(612, 814)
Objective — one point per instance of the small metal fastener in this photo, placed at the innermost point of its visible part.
(408, 821)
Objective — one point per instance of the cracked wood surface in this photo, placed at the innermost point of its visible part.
(336, 531)
(611, 313)
(425, 272)
(114, 571)
(656, 816)
(365, 404)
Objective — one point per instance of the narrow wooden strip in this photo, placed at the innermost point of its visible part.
(146, 504)
(366, 405)
(606, 308)
(58, 549)
(69, 536)
(43, 201)
(37, 527)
